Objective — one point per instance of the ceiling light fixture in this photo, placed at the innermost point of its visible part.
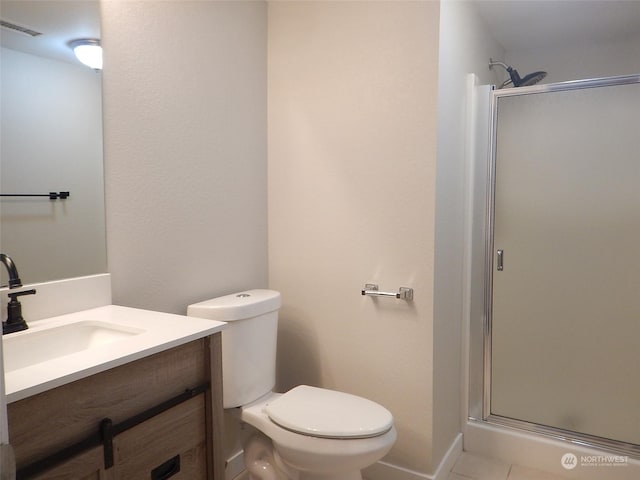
(88, 51)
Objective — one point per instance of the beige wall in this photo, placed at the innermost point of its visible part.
(352, 149)
(465, 47)
(185, 150)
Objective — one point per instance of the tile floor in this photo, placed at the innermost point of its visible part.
(474, 467)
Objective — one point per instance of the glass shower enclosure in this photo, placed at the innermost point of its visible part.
(561, 352)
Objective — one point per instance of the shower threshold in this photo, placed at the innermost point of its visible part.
(575, 438)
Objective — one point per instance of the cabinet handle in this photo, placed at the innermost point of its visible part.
(167, 469)
(106, 432)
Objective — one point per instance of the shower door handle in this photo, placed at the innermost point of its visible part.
(500, 261)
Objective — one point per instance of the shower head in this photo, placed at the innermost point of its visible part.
(514, 77)
(530, 79)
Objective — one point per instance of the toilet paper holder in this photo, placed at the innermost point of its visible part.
(403, 293)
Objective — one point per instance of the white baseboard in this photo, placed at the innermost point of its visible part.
(243, 476)
(387, 471)
(234, 466)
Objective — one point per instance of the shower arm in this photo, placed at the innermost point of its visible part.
(506, 67)
(503, 65)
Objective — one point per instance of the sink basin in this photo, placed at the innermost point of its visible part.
(59, 350)
(31, 347)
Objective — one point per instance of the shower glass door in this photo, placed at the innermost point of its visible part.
(565, 253)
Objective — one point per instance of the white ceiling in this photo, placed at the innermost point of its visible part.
(521, 24)
(58, 21)
(516, 24)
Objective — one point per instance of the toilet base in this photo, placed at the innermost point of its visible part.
(342, 476)
(264, 463)
(264, 475)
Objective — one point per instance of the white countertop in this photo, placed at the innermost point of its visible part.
(159, 331)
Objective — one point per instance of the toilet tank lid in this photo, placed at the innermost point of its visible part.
(237, 306)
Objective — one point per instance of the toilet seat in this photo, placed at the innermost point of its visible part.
(318, 412)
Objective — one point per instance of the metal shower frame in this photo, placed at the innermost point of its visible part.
(582, 439)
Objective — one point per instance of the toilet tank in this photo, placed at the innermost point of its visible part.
(248, 342)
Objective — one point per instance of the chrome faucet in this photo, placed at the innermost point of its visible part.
(15, 322)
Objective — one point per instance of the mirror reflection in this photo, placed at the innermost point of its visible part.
(51, 132)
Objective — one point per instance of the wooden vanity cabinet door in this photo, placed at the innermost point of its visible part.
(45, 423)
(178, 431)
(85, 466)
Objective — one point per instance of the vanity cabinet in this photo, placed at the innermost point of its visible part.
(173, 440)
(84, 466)
(158, 417)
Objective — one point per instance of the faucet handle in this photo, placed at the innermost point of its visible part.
(13, 295)
(15, 322)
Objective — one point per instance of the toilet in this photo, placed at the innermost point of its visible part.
(307, 433)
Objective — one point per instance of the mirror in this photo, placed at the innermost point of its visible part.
(51, 132)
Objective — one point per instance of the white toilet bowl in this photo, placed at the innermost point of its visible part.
(307, 433)
(328, 435)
